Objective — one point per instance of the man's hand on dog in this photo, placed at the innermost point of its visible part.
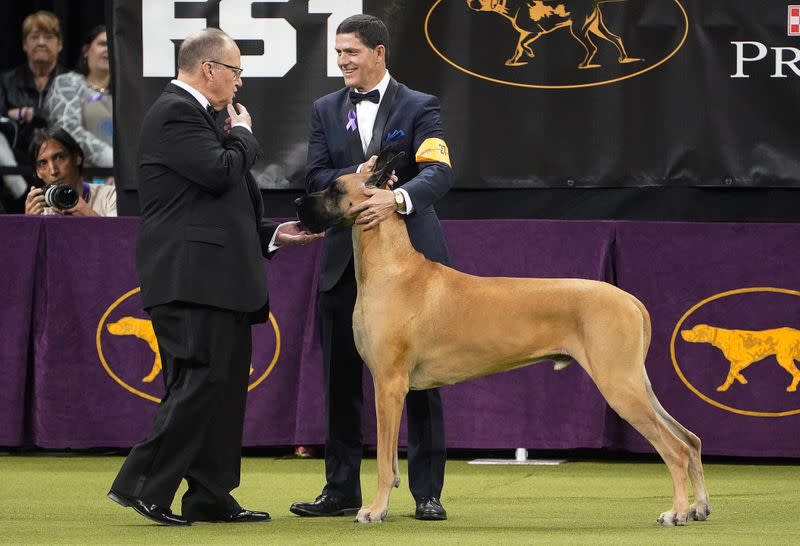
(369, 166)
(374, 210)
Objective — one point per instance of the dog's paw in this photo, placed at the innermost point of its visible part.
(672, 517)
(396, 482)
(699, 512)
(366, 515)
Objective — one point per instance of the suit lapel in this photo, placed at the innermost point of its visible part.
(183, 93)
(252, 187)
(374, 147)
(350, 125)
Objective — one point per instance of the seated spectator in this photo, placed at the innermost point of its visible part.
(22, 97)
(58, 159)
(80, 102)
(23, 90)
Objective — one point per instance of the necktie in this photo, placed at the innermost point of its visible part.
(211, 111)
(372, 96)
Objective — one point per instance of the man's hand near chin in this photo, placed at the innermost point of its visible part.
(292, 234)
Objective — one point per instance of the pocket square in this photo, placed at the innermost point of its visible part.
(397, 133)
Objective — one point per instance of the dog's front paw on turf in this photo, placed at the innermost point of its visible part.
(668, 519)
(699, 512)
(367, 515)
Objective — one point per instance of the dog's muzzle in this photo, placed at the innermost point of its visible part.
(312, 214)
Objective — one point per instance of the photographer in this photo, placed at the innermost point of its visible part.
(58, 162)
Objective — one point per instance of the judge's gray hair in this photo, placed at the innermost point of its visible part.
(204, 45)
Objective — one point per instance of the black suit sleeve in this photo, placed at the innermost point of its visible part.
(320, 172)
(265, 233)
(435, 178)
(195, 153)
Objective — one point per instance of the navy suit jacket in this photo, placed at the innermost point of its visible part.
(406, 118)
(202, 238)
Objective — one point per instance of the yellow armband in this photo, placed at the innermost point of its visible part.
(433, 149)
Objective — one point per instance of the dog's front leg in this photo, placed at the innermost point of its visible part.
(390, 393)
(519, 50)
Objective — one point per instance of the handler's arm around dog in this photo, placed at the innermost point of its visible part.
(348, 128)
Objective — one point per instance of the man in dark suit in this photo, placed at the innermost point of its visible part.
(199, 259)
(374, 112)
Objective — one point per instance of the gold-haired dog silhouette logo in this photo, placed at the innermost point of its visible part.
(533, 19)
(717, 364)
(142, 329)
(745, 347)
(128, 349)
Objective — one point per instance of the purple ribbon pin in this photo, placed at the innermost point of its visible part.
(351, 120)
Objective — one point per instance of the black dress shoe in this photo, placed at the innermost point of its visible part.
(429, 508)
(239, 516)
(325, 505)
(153, 512)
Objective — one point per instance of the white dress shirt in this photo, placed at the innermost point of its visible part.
(366, 112)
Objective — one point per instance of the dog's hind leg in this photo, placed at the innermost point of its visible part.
(526, 45)
(614, 358)
(786, 361)
(628, 397)
(700, 509)
(599, 28)
(396, 470)
(390, 393)
(519, 50)
(582, 37)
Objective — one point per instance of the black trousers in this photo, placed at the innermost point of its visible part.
(343, 369)
(197, 432)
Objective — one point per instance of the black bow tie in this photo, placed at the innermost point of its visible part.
(372, 96)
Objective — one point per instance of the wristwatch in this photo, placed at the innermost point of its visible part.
(399, 200)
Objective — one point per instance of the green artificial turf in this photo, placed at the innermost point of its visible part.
(61, 500)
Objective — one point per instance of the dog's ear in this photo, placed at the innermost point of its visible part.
(384, 166)
(384, 157)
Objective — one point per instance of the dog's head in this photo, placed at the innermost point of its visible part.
(698, 334)
(124, 326)
(321, 210)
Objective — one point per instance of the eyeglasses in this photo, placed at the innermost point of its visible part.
(237, 72)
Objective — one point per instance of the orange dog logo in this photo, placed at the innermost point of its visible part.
(532, 19)
(745, 347)
(142, 329)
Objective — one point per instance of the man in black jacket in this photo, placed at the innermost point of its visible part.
(199, 262)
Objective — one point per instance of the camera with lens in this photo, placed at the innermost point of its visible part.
(60, 196)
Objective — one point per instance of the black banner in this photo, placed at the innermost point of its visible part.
(534, 93)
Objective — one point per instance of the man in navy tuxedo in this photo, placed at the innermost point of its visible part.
(371, 113)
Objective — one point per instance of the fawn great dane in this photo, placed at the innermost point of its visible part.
(419, 324)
